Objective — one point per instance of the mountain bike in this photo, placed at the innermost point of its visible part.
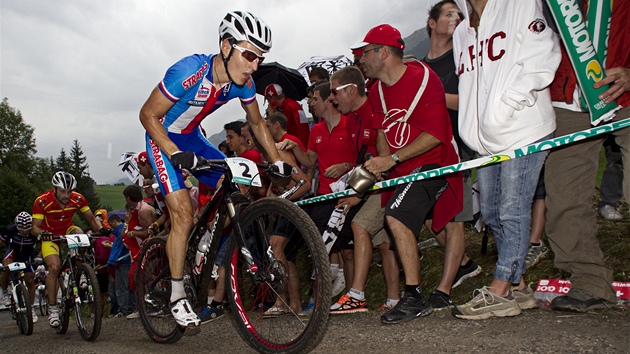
(40, 282)
(20, 309)
(79, 289)
(255, 278)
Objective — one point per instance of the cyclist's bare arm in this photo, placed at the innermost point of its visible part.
(260, 130)
(153, 109)
(92, 220)
(37, 227)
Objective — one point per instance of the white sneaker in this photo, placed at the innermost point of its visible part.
(609, 212)
(184, 314)
(339, 284)
(133, 315)
(35, 318)
(53, 317)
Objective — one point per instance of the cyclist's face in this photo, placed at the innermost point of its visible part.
(63, 195)
(240, 68)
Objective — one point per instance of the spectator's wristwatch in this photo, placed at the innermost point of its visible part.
(394, 157)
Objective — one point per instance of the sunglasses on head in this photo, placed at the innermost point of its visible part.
(249, 55)
(334, 91)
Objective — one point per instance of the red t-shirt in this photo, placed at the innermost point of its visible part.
(133, 244)
(288, 136)
(360, 131)
(56, 219)
(431, 116)
(297, 123)
(332, 148)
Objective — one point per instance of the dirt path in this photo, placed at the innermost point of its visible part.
(537, 331)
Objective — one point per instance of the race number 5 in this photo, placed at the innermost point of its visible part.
(244, 171)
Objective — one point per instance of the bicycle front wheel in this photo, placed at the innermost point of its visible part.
(271, 291)
(89, 309)
(64, 306)
(24, 315)
(43, 301)
(153, 293)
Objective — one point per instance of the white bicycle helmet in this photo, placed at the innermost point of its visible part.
(23, 221)
(244, 26)
(64, 180)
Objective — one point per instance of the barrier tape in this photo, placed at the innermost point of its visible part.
(483, 161)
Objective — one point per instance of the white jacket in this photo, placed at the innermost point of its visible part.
(504, 102)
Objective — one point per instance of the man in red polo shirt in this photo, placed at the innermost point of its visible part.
(297, 123)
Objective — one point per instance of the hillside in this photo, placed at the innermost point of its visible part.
(417, 43)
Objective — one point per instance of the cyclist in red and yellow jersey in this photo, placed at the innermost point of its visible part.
(52, 212)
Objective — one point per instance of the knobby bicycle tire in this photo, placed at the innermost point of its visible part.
(64, 306)
(89, 312)
(263, 329)
(43, 302)
(24, 312)
(153, 292)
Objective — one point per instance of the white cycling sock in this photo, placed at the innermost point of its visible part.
(177, 289)
(210, 299)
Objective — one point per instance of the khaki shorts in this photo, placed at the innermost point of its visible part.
(372, 218)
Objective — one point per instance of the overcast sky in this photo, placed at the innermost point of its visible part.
(82, 69)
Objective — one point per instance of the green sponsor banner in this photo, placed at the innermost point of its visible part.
(483, 161)
(582, 54)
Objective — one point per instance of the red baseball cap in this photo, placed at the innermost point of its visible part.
(142, 157)
(384, 35)
(273, 90)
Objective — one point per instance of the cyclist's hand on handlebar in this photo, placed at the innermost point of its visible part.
(184, 160)
(282, 169)
(105, 231)
(46, 236)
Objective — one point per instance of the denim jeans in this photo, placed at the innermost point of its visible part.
(506, 193)
(124, 297)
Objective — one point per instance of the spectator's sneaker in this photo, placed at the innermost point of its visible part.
(408, 308)
(348, 304)
(183, 313)
(6, 299)
(133, 315)
(432, 242)
(466, 271)
(535, 253)
(580, 301)
(439, 301)
(339, 284)
(609, 212)
(209, 313)
(486, 304)
(525, 298)
(308, 309)
(53, 317)
(119, 315)
(35, 318)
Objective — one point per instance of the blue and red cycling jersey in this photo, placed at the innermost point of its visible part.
(189, 84)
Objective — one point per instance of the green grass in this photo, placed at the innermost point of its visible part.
(111, 196)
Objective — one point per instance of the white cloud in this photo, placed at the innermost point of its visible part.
(82, 69)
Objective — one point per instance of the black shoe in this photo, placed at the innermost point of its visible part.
(408, 308)
(439, 301)
(580, 301)
(466, 271)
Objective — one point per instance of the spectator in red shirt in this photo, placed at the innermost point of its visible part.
(297, 123)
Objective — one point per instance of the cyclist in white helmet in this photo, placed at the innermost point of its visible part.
(192, 89)
(20, 248)
(52, 215)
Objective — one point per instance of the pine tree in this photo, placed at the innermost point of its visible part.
(81, 171)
